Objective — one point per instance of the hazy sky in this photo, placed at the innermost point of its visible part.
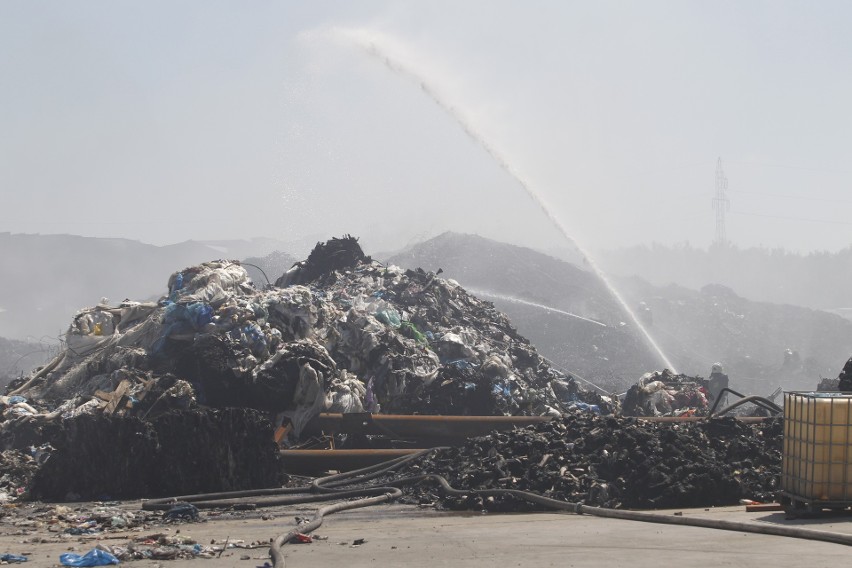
(167, 121)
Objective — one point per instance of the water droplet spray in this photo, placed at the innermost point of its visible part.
(373, 44)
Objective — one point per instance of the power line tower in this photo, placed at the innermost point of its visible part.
(721, 203)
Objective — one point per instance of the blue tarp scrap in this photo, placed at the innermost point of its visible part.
(95, 557)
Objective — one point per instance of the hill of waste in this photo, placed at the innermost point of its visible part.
(337, 333)
(148, 396)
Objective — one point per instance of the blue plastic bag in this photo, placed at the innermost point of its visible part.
(12, 558)
(200, 314)
(95, 557)
(584, 406)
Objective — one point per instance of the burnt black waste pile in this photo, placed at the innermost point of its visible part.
(102, 457)
(612, 462)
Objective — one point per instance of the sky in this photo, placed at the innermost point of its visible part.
(528, 122)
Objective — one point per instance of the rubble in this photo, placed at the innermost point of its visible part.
(613, 462)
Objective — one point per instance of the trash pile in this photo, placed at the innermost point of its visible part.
(844, 379)
(664, 393)
(337, 333)
(612, 462)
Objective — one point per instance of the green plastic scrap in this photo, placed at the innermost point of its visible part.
(407, 329)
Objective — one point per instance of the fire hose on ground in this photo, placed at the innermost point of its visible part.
(326, 489)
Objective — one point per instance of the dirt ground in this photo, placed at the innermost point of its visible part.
(402, 535)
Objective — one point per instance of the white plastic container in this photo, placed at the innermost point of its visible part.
(817, 455)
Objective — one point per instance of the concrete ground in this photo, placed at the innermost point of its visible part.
(399, 535)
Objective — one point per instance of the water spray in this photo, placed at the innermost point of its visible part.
(515, 300)
(368, 41)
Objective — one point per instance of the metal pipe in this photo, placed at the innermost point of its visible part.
(313, 461)
(419, 426)
(678, 419)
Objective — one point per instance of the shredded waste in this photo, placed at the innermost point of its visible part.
(613, 462)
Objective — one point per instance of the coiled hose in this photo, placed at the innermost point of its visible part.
(325, 489)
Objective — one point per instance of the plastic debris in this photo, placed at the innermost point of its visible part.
(95, 557)
(300, 538)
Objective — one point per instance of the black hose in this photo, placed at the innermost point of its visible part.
(738, 526)
(321, 489)
(268, 283)
(758, 400)
(275, 548)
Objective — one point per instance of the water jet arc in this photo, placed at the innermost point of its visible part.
(367, 42)
(514, 300)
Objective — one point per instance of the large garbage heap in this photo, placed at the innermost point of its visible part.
(338, 333)
(613, 462)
